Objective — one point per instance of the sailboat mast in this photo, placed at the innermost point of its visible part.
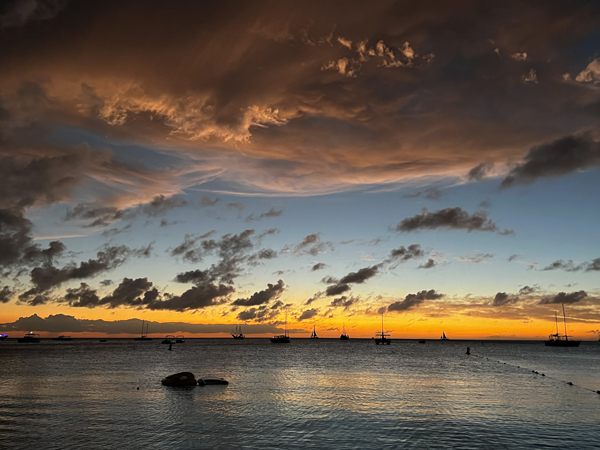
(382, 324)
(142, 327)
(556, 320)
(564, 320)
(285, 328)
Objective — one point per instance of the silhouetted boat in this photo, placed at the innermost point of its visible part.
(3, 336)
(314, 333)
(443, 337)
(561, 340)
(238, 333)
(143, 337)
(380, 338)
(169, 339)
(421, 342)
(102, 340)
(282, 338)
(344, 336)
(62, 338)
(30, 338)
(180, 339)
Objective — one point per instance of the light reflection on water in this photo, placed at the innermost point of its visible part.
(308, 394)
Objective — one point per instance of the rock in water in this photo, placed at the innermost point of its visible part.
(207, 381)
(180, 379)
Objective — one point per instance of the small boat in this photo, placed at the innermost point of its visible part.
(179, 379)
(3, 337)
(210, 381)
(102, 340)
(561, 340)
(180, 339)
(30, 338)
(282, 338)
(314, 333)
(380, 338)
(443, 337)
(143, 336)
(169, 339)
(421, 341)
(62, 338)
(238, 333)
(344, 336)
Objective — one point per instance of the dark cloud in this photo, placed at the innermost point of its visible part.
(268, 232)
(230, 246)
(267, 253)
(20, 12)
(6, 294)
(318, 266)
(308, 314)
(236, 205)
(47, 277)
(343, 302)
(337, 289)
(502, 298)
(405, 254)
(561, 157)
(526, 290)
(513, 257)
(97, 215)
(571, 266)
(428, 265)
(431, 193)
(60, 323)
(197, 297)
(479, 172)
(476, 258)
(361, 275)
(161, 205)
(115, 231)
(413, 300)
(273, 291)
(563, 297)
(270, 213)
(451, 218)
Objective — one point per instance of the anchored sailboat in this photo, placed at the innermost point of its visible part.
(380, 338)
(282, 338)
(443, 337)
(314, 333)
(238, 333)
(143, 336)
(344, 336)
(561, 340)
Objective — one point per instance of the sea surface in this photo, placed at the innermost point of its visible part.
(321, 394)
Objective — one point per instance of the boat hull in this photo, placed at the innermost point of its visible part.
(280, 340)
(344, 337)
(382, 341)
(28, 340)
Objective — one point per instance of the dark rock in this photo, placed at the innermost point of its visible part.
(180, 379)
(207, 381)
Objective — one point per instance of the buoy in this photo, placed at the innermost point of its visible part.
(468, 350)
(570, 384)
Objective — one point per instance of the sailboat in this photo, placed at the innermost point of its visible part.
(238, 333)
(143, 337)
(344, 336)
(561, 340)
(443, 337)
(314, 333)
(380, 338)
(282, 338)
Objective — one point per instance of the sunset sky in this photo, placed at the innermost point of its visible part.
(204, 164)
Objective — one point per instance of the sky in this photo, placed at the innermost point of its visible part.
(202, 165)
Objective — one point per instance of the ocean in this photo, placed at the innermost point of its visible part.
(319, 394)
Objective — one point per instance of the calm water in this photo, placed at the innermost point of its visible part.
(325, 394)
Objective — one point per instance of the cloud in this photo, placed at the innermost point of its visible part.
(318, 266)
(431, 193)
(591, 74)
(308, 314)
(20, 12)
(530, 77)
(61, 323)
(451, 218)
(270, 213)
(502, 298)
(571, 266)
(236, 205)
(476, 258)
(513, 257)
(343, 302)
(273, 291)
(428, 265)
(361, 275)
(479, 172)
(207, 201)
(197, 297)
(268, 232)
(413, 300)
(312, 245)
(561, 157)
(402, 254)
(337, 289)
(519, 56)
(563, 297)
(161, 205)
(6, 294)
